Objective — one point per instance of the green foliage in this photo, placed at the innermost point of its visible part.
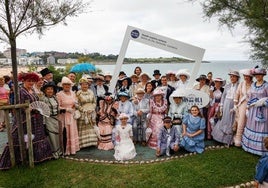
(217, 168)
(252, 14)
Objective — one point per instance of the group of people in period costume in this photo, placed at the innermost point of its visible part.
(146, 111)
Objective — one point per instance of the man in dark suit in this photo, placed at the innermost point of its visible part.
(157, 80)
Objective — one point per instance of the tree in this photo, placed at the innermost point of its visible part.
(19, 17)
(253, 14)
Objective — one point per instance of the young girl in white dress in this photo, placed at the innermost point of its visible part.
(124, 149)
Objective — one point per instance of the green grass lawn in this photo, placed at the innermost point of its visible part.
(213, 168)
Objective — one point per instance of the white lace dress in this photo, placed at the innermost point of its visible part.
(124, 149)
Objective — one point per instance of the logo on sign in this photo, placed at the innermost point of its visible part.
(135, 34)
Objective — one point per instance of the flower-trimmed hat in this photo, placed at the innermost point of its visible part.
(246, 72)
(220, 80)
(158, 91)
(258, 71)
(83, 80)
(28, 76)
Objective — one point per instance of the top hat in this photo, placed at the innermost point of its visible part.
(156, 72)
(45, 71)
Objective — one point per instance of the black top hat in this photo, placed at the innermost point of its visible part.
(45, 71)
(157, 72)
(49, 84)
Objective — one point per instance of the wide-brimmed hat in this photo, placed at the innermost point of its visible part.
(145, 74)
(246, 72)
(66, 80)
(123, 94)
(49, 84)
(108, 95)
(122, 73)
(45, 71)
(125, 78)
(134, 75)
(220, 80)
(28, 76)
(170, 72)
(156, 72)
(235, 73)
(178, 93)
(158, 91)
(99, 77)
(258, 71)
(184, 72)
(140, 90)
(88, 77)
(107, 73)
(123, 115)
(202, 77)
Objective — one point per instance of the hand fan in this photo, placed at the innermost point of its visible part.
(42, 107)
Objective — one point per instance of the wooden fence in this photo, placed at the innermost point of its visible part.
(16, 108)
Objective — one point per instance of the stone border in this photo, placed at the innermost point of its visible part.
(158, 160)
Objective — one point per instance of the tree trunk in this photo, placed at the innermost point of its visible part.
(13, 48)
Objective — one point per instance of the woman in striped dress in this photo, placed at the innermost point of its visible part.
(256, 127)
(87, 121)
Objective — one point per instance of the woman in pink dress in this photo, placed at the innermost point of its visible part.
(158, 109)
(67, 101)
(240, 101)
(4, 100)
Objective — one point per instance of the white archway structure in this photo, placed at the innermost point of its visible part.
(163, 43)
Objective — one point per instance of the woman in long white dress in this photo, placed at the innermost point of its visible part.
(124, 149)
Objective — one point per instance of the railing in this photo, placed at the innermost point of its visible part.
(25, 107)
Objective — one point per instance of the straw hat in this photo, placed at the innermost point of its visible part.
(83, 80)
(145, 74)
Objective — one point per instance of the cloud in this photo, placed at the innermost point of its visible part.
(102, 30)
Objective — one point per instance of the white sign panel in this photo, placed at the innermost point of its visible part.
(195, 97)
(160, 42)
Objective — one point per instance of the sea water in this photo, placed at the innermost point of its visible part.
(220, 69)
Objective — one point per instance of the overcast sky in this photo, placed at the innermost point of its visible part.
(103, 28)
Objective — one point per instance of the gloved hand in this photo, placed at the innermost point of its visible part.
(260, 102)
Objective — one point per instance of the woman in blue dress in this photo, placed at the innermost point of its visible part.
(193, 134)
